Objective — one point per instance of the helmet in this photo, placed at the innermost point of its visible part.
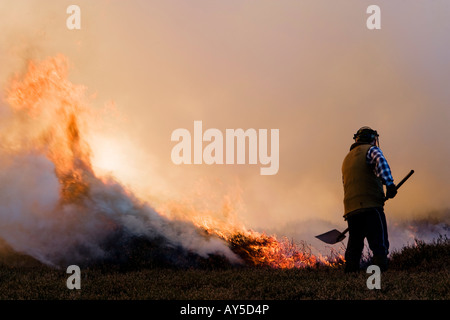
(365, 134)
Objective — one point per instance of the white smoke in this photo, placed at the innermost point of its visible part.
(408, 232)
(35, 222)
(29, 191)
(44, 163)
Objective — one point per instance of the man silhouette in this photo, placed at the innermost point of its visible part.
(364, 172)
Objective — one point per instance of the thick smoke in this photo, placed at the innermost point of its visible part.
(53, 205)
(426, 228)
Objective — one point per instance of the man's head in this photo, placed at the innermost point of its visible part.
(366, 135)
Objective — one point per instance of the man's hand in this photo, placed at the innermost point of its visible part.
(391, 191)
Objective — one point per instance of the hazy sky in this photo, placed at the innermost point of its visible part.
(308, 68)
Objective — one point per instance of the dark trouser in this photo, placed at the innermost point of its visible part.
(371, 224)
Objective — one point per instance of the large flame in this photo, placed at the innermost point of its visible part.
(48, 98)
(51, 114)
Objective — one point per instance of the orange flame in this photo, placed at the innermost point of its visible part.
(58, 122)
(255, 248)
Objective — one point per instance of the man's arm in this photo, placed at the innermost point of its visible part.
(376, 158)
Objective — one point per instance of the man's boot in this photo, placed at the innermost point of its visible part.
(381, 262)
(351, 266)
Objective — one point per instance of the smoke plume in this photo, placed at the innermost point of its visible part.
(54, 206)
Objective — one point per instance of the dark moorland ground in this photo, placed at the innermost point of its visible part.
(419, 272)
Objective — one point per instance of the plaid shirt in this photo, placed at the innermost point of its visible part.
(381, 167)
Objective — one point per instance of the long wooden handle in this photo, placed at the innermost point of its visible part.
(404, 179)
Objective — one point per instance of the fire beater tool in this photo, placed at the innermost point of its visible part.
(335, 236)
